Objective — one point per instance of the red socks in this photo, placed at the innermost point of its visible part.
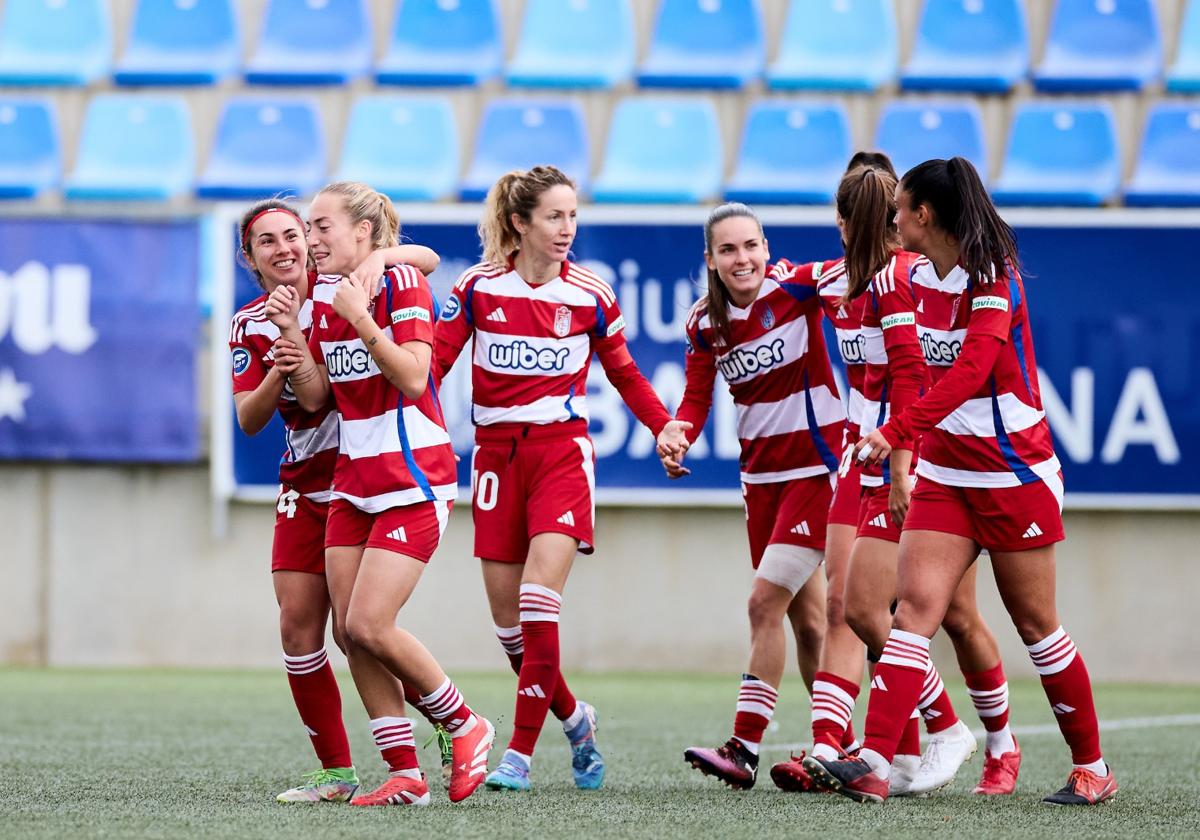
(562, 702)
(899, 678)
(539, 675)
(1069, 690)
(315, 692)
(832, 707)
(755, 706)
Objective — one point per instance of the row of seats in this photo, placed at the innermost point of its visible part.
(973, 45)
(140, 147)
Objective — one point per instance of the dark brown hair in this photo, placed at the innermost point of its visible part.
(866, 201)
(257, 209)
(717, 295)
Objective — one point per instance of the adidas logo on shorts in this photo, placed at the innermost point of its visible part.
(567, 518)
(398, 534)
(1032, 531)
(879, 521)
(802, 529)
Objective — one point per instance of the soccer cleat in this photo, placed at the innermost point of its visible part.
(470, 759)
(445, 748)
(512, 774)
(587, 765)
(946, 751)
(904, 770)
(791, 776)
(396, 790)
(851, 777)
(1084, 788)
(999, 772)
(331, 784)
(731, 762)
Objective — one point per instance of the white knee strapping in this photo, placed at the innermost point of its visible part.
(789, 566)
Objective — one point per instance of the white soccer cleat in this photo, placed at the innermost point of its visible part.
(904, 770)
(947, 751)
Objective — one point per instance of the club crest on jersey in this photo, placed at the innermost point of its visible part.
(562, 321)
(452, 308)
(768, 318)
(241, 360)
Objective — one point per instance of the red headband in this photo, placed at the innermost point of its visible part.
(249, 227)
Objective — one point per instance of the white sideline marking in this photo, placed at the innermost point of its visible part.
(1052, 729)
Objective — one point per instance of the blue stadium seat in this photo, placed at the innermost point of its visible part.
(520, 133)
(54, 42)
(134, 147)
(188, 42)
(1168, 168)
(836, 45)
(580, 44)
(29, 147)
(975, 45)
(1060, 155)
(1184, 75)
(911, 132)
(661, 149)
(705, 43)
(442, 42)
(1098, 45)
(312, 42)
(265, 146)
(792, 153)
(404, 146)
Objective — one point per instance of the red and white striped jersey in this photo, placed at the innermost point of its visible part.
(997, 436)
(311, 439)
(394, 451)
(847, 324)
(789, 415)
(533, 343)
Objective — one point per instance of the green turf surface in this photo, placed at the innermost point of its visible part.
(202, 754)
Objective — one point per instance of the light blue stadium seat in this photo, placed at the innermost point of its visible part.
(520, 133)
(404, 146)
(661, 149)
(312, 42)
(1168, 167)
(1098, 45)
(911, 132)
(180, 42)
(975, 45)
(578, 43)
(265, 146)
(442, 42)
(54, 42)
(836, 45)
(29, 147)
(1060, 154)
(705, 43)
(135, 147)
(792, 153)
(1184, 75)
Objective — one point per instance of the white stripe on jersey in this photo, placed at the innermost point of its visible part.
(520, 355)
(784, 475)
(884, 281)
(975, 417)
(554, 291)
(480, 270)
(954, 283)
(789, 414)
(305, 443)
(874, 350)
(972, 478)
(552, 409)
(377, 435)
(781, 346)
(347, 361)
(941, 347)
(855, 406)
(592, 283)
(401, 498)
(850, 346)
(254, 321)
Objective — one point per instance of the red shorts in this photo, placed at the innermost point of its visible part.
(997, 518)
(529, 481)
(846, 498)
(787, 513)
(411, 530)
(299, 544)
(874, 518)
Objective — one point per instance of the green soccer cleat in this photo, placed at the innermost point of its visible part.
(330, 784)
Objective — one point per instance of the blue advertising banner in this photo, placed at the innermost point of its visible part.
(98, 337)
(1117, 339)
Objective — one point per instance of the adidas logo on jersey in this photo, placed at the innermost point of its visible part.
(1032, 531)
(534, 690)
(498, 316)
(879, 521)
(324, 325)
(878, 684)
(802, 529)
(567, 518)
(398, 534)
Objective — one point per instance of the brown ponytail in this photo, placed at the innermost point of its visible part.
(866, 201)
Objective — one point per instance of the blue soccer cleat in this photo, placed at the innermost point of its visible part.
(512, 774)
(587, 765)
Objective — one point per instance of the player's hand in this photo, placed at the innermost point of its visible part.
(672, 440)
(283, 307)
(368, 271)
(871, 450)
(675, 468)
(899, 498)
(350, 299)
(287, 356)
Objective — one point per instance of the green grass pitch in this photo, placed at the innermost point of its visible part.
(169, 754)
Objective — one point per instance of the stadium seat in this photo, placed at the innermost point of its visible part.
(29, 147)
(1101, 45)
(312, 42)
(914, 131)
(264, 147)
(1184, 75)
(975, 45)
(661, 150)
(580, 44)
(54, 42)
(836, 45)
(134, 147)
(1168, 167)
(792, 153)
(704, 43)
(188, 42)
(404, 146)
(520, 133)
(442, 42)
(1060, 155)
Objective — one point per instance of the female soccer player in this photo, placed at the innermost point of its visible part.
(536, 319)
(988, 478)
(760, 327)
(394, 481)
(273, 247)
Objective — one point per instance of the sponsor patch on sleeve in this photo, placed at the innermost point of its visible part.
(411, 313)
(990, 302)
(452, 307)
(241, 360)
(898, 319)
(616, 326)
